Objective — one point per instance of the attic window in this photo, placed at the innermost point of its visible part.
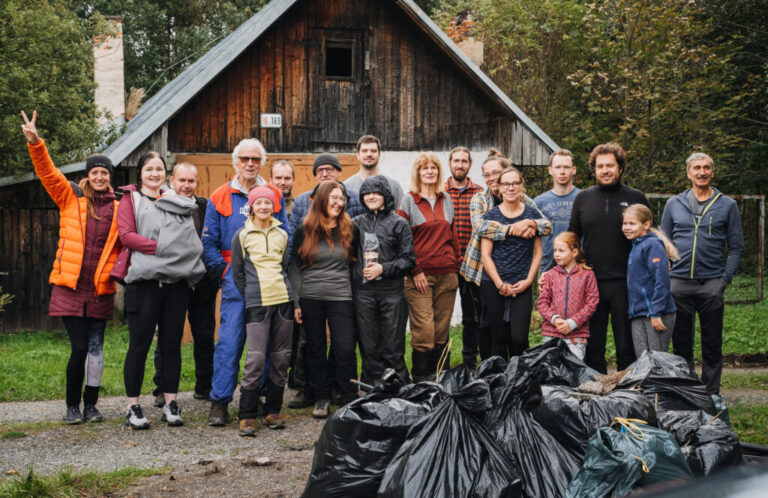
(338, 59)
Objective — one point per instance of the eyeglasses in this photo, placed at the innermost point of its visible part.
(247, 159)
(324, 169)
(491, 174)
(510, 185)
(338, 198)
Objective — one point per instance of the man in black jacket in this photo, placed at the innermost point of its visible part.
(201, 312)
(596, 217)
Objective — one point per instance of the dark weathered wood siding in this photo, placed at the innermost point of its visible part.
(29, 235)
(412, 95)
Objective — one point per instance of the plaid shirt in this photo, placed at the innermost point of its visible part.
(472, 266)
(460, 198)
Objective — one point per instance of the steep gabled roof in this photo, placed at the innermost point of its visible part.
(172, 97)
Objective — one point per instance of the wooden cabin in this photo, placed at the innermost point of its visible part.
(303, 76)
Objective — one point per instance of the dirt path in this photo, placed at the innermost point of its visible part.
(204, 461)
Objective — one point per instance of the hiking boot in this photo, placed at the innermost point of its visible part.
(172, 414)
(200, 395)
(302, 399)
(135, 419)
(91, 414)
(218, 416)
(275, 421)
(322, 408)
(73, 415)
(159, 400)
(248, 427)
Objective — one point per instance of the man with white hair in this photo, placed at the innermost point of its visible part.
(226, 214)
(701, 222)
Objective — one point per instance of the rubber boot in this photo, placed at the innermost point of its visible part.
(421, 363)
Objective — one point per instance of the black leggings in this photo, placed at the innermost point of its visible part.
(86, 337)
(150, 304)
(510, 338)
(613, 301)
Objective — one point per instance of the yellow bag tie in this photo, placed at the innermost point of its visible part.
(630, 424)
(644, 467)
(441, 362)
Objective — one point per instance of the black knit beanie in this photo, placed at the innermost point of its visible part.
(99, 162)
(323, 159)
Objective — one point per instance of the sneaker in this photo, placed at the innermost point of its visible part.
(322, 408)
(248, 427)
(135, 419)
(302, 399)
(275, 421)
(200, 395)
(91, 414)
(172, 414)
(159, 400)
(73, 415)
(218, 416)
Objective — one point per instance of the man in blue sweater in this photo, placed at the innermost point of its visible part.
(701, 222)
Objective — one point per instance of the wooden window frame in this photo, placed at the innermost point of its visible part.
(339, 43)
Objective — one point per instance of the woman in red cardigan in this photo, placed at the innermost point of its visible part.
(431, 288)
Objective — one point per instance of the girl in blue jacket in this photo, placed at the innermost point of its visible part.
(651, 308)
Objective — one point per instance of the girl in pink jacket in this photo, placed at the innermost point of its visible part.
(568, 296)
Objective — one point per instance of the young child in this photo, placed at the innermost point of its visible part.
(568, 296)
(651, 307)
(260, 256)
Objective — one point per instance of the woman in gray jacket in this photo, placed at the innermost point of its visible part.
(164, 264)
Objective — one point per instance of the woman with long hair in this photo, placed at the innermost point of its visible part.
(163, 263)
(323, 253)
(83, 295)
(431, 286)
(509, 267)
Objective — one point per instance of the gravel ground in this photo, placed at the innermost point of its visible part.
(199, 460)
(203, 460)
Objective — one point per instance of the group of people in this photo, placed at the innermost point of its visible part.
(355, 261)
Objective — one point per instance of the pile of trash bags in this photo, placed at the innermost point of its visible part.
(544, 424)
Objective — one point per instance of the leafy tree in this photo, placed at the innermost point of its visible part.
(46, 63)
(162, 38)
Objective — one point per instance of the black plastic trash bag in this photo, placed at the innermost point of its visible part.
(542, 462)
(359, 440)
(668, 381)
(555, 364)
(633, 446)
(708, 443)
(455, 379)
(450, 453)
(573, 417)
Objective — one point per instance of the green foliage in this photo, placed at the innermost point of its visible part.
(749, 422)
(66, 483)
(162, 38)
(661, 77)
(748, 380)
(46, 63)
(5, 299)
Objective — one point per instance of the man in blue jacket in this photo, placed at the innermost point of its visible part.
(702, 222)
(226, 214)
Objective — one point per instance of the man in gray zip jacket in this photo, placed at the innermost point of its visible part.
(701, 222)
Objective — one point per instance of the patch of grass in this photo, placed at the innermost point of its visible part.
(13, 434)
(67, 483)
(28, 428)
(749, 422)
(748, 380)
(33, 366)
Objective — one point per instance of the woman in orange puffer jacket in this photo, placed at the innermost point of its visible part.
(83, 294)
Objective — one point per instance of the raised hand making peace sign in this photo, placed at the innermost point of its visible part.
(29, 129)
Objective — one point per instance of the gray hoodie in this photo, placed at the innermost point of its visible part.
(168, 220)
